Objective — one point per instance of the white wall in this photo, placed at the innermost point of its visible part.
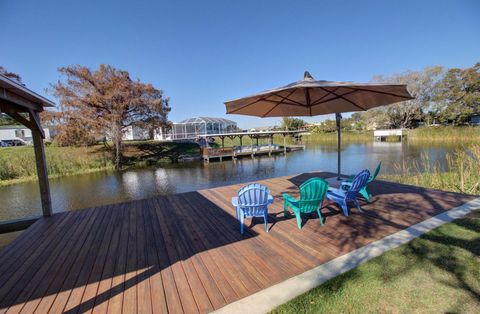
(23, 133)
(131, 133)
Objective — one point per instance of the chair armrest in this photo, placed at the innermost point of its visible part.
(345, 185)
(270, 199)
(336, 191)
(289, 198)
(235, 201)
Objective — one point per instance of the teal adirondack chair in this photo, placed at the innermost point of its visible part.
(312, 194)
(365, 192)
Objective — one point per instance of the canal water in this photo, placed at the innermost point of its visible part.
(106, 187)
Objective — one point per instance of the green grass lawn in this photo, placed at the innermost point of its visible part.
(436, 273)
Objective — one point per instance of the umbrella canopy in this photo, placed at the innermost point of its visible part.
(309, 97)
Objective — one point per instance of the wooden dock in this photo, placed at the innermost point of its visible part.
(209, 154)
(184, 254)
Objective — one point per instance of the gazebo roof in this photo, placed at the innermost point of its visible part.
(24, 106)
(15, 95)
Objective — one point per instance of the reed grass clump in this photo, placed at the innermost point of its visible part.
(445, 133)
(462, 173)
(347, 137)
(19, 162)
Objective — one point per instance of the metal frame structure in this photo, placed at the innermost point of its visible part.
(195, 127)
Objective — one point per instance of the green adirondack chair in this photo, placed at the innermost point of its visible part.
(365, 192)
(312, 194)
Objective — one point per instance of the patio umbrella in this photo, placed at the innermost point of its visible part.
(310, 97)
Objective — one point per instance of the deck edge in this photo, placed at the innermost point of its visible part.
(278, 294)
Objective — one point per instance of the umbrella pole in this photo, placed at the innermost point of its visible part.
(338, 118)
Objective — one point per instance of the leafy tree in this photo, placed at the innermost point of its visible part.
(422, 85)
(6, 120)
(289, 123)
(103, 103)
(459, 94)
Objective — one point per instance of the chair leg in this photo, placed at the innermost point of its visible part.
(299, 220)
(344, 208)
(265, 217)
(241, 221)
(285, 208)
(320, 216)
(358, 206)
(368, 191)
(365, 194)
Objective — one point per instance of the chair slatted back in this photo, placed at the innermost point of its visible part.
(312, 192)
(375, 174)
(253, 199)
(358, 183)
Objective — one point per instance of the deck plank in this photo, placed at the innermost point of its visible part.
(115, 294)
(43, 303)
(105, 284)
(184, 253)
(39, 255)
(172, 296)
(57, 305)
(40, 281)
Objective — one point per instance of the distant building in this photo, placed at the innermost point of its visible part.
(12, 132)
(475, 119)
(193, 127)
(135, 133)
(186, 129)
(131, 133)
(263, 128)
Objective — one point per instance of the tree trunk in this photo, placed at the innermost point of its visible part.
(117, 140)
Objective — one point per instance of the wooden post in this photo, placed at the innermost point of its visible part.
(270, 142)
(251, 140)
(284, 145)
(338, 118)
(241, 141)
(42, 172)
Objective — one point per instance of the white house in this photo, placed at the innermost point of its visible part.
(11, 132)
(133, 133)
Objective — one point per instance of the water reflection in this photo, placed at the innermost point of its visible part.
(100, 188)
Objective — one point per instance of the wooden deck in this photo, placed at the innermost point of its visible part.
(184, 252)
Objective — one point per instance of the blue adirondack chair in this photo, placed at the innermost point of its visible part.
(312, 194)
(343, 197)
(252, 201)
(365, 192)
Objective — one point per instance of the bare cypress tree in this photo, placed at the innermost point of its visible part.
(103, 103)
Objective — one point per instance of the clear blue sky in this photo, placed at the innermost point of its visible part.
(202, 53)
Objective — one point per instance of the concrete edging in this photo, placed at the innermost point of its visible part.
(271, 297)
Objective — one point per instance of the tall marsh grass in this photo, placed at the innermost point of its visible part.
(461, 175)
(445, 133)
(19, 162)
(332, 137)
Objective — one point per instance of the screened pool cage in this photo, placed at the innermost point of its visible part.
(193, 127)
